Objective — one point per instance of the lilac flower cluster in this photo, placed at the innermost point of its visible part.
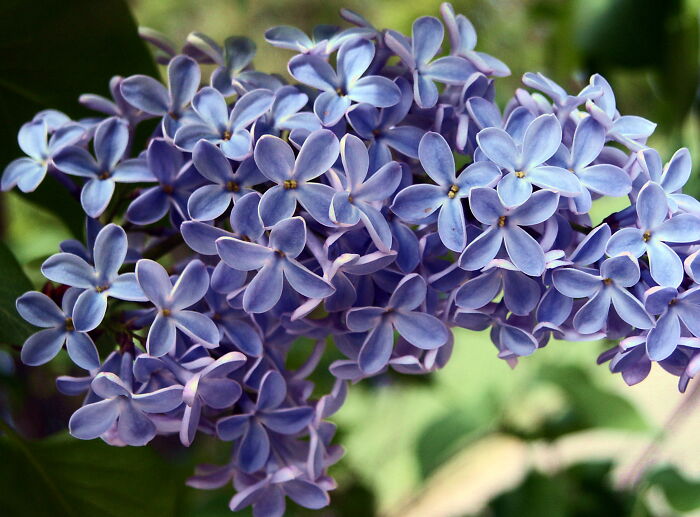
(333, 208)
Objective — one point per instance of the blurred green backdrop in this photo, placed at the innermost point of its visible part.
(553, 437)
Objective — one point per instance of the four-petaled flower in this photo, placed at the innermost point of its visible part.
(505, 227)
(123, 408)
(111, 142)
(216, 125)
(274, 263)
(610, 286)
(417, 55)
(525, 163)
(210, 201)
(419, 201)
(418, 328)
(603, 178)
(267, 414)
(171, 300)
(276, 161)
(359, 199)
(673, 308)
(348, 84)
(150, 96)
(41, 311)
(655, 230)
(99, 281)
(27, 173)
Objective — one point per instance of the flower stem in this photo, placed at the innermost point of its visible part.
(633, 475)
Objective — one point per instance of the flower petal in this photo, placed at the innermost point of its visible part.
(541, 141)
(89, 310)
(524, 251)
(161, 336)
(420, 329)
(92, 420)
(43, 346)
(265, 290)
(377, 347)
(482, 250)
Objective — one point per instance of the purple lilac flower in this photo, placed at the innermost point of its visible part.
(216, 125)
(111, 141)
(293, 176)
(672, 177)
(381, 127)
(617, 274)
(210, 201)
(359, 199)
(177, 179)
(150, 96)
(655, 230)
(418, 53)
(41, 311)
(604, 178)
(274, 263)
(267, 414)
(673, 309)
(235, 73)
(463, 40)
(286, 114)
(629, 130)
(525, 164)
(418, 328)
(27, 173)
(124, 409)
(346, 85)
(171, 301)
(100, 281)
(505, 227)
(419, 201)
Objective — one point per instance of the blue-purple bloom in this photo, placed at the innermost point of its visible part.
(416, 202)
(98, 282)
(333, 210)
(109, 166)
(346, 85)
(41, 311)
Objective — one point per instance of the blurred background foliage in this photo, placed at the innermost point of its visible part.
(556, 436)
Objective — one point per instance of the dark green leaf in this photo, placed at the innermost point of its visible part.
(683, 494)
(581, 490)
(589, 404)
(627, 33)
(13, 330)
(53, 51)
(61, 476)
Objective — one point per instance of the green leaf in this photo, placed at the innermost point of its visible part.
(53, 51)
(589, 404)
(444, 437)
(14, 330)
(627, 33)
(682, 493)
(580, 490)
(64, 477)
